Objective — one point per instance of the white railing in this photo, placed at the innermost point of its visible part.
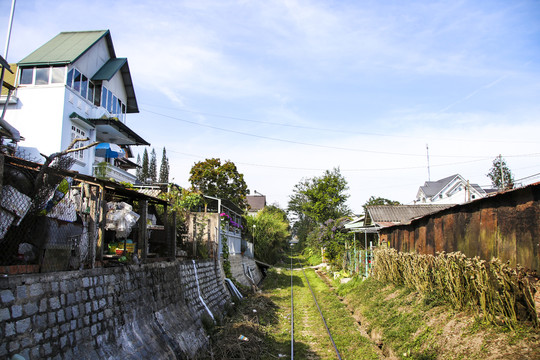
(235, 243)
(110, 171)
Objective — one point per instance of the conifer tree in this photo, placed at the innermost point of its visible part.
(500, 174)
(144, 170)
(152, 168)
(164, 168)
(139, 168)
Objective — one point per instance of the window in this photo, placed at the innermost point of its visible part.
(114, 105)
(57, 75)
(97, 95)
(84, 86)
(91, 90)
(42, 76)
(69, 81)
(109, 101)
(77, 81)
(27, 76)
(78, 133)
(104, 97)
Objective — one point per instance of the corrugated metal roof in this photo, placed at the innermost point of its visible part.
(65, 48)
(110, 68)
(150, 192)
(385, 214)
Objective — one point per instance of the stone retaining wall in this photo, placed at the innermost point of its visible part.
(132, 312)
(239, 269)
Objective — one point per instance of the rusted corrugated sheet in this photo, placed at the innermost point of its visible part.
(506, 226)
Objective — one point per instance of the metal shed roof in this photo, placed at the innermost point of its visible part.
(386, 215)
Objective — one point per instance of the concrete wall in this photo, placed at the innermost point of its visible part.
(506, 226)
(132, 312)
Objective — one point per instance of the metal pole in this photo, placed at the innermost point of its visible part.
(10, 26)
(354, 252)
(502, 172)
(365, 251)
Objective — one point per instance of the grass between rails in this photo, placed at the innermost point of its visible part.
(265, 319)
(342, 325)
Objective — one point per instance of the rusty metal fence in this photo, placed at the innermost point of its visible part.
(56, 220)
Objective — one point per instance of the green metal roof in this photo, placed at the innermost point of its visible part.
(110, 68)
(66, 48)
(107, 71)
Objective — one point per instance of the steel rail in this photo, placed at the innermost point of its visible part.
(320, 312)
(292, 311)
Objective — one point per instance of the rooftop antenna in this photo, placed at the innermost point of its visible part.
(428, 172)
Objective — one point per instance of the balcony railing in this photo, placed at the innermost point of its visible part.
(106, 171)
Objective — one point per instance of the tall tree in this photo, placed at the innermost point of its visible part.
(144, 169)
(164, 168)
(213, 178)
(139, 168)
(152, 168)
(500, 174)
(326, 196)
(317, 200)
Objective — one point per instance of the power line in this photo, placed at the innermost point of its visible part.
(334, 130)
(309, 144)
(343, 170)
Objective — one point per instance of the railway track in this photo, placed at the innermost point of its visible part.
(316, 303)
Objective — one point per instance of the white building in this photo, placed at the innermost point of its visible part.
(74, 86)
(450, 190)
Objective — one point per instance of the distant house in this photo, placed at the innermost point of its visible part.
(74, 86)
(256, 203)
(450, 190)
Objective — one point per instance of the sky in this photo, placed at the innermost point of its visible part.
(287, 89)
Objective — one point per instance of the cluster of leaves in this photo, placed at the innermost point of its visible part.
(333, 237)
(319, 207)
(269, 231)
(222, 180)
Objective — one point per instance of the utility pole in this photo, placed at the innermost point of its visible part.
(428, 171)
(502, 172)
